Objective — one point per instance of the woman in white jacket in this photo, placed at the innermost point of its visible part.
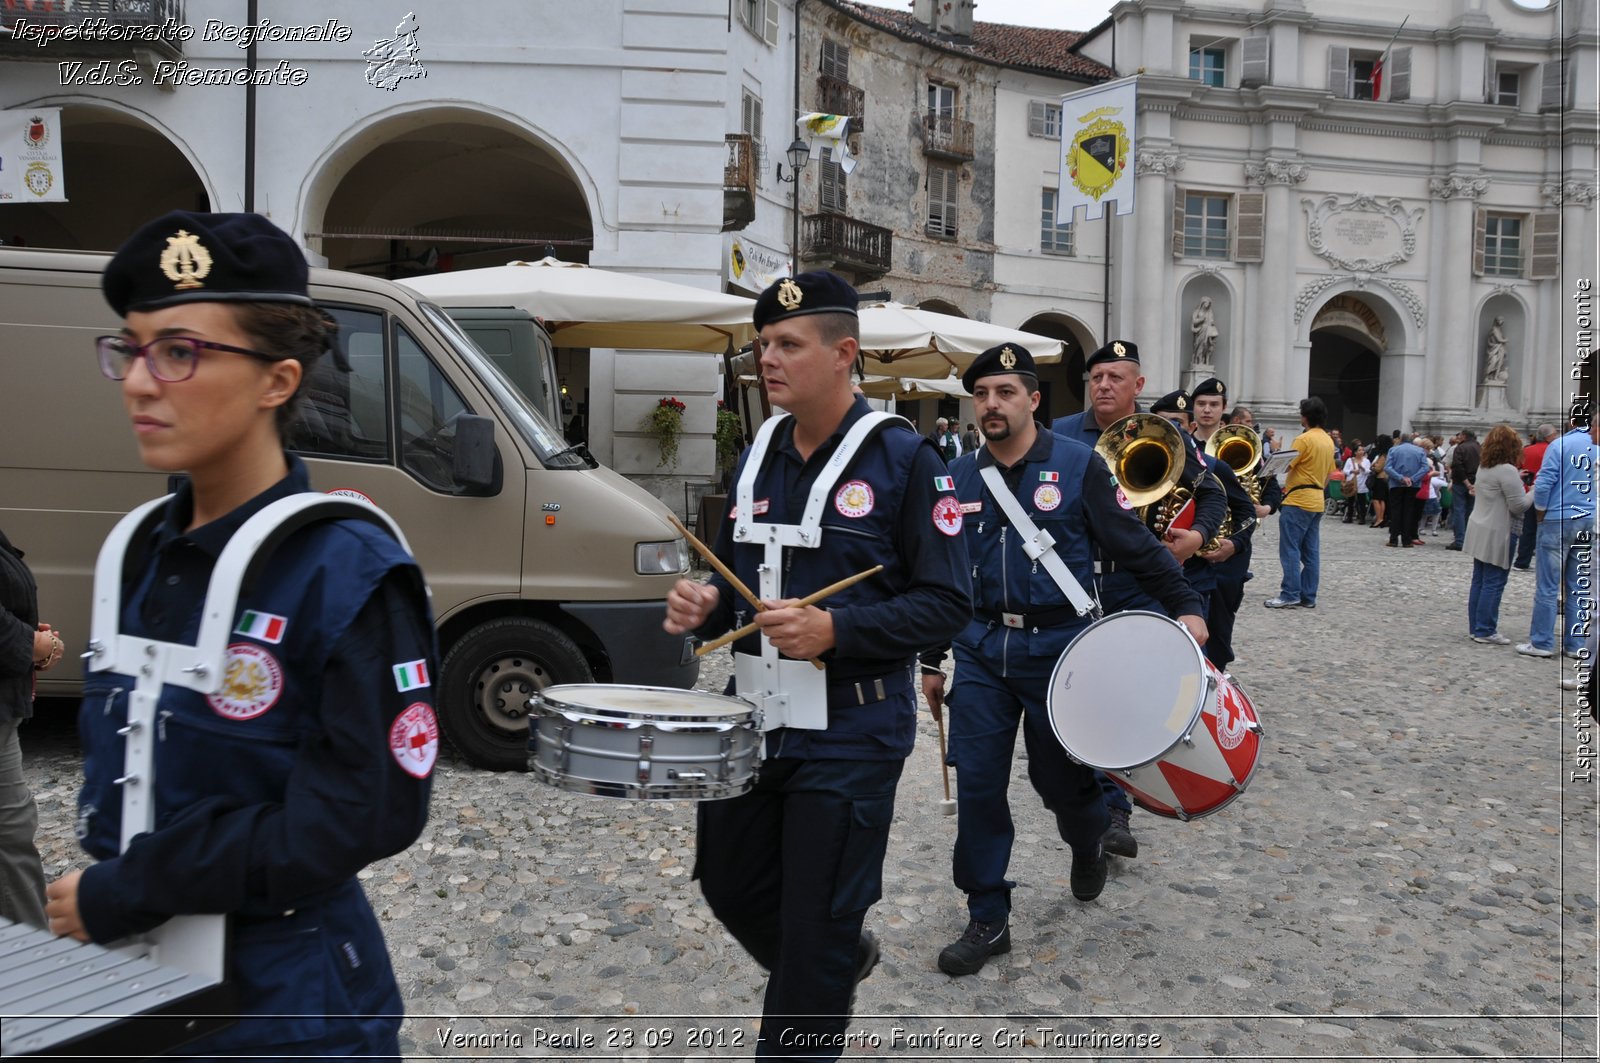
(1490, 540)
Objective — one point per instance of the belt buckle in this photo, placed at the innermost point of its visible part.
(1013, 619)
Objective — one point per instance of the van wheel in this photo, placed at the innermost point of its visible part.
(487, 678)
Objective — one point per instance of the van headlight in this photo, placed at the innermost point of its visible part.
(661, 559)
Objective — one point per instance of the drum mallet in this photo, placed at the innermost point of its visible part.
(811, 599)
(947, 806)
(726, 573)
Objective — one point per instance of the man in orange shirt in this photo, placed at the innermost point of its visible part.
(1300, 519)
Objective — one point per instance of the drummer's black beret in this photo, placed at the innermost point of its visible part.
(185, 257)
(1115, 351)
(1210, 386)
(1006, 358)
(817, 292)
(1172, 401)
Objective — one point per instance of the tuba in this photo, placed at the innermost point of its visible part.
(1146, 455)
(1240, 447)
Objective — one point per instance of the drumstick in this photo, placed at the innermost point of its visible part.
(810, 599)
(727, 573)
(947, 806)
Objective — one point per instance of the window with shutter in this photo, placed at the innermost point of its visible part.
(1255, 61)
(750, 122)
(1044, 119)
(1479, 225)
(1364, 81)
(1502, 245)
(1507, 87)
(1553, 85)
(1397, 75)
(835, 60)
(1249, 239)
(759, 17)
(942, 185)
(769, 29)
(830, 184)
(1180, 199)
(1544, 259)
(1055, 235)
(1339, 71)
(1208, 66)
(1205, 225)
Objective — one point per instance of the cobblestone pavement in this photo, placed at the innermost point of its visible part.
(1411, 873)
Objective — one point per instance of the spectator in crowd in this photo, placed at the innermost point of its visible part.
(1463, 464)
(1356, 471)
(1564, 493)
(946, 440)
(1489, 537)
(1300, 519)
(1407, 468)
(1378, 481)
(1532, 456)
(970, 440)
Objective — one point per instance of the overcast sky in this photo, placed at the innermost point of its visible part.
(1056, 14)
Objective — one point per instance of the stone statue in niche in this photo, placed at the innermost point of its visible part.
(1494, 352)
(1203, 332)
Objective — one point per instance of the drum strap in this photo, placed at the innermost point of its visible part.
(1037, 543)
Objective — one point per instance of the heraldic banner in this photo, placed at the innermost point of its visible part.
(30, 156)
(1097, 143)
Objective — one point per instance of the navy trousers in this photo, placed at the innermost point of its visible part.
(985, 709)
(790, 869)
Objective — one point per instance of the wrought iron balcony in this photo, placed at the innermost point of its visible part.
(93, 30)
(947, 137)
(739, 182)
(837, 96)
(847, 244)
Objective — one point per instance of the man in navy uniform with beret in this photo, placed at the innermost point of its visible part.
(1115, 382)
(827, 491)
(1023, 619)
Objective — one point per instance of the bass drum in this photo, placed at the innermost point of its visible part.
(1134, 697)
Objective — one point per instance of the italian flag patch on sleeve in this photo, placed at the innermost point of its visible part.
(264, 626)
(411, 675)
(1050, 477)
(944, 483)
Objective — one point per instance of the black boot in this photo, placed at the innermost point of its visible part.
(980, 941)
(1118, 840)
(1088, 874)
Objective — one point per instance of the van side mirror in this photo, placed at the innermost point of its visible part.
(476, 462)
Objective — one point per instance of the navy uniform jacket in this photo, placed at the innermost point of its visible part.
(890, 507)
(1210, 505)
(1067, 490)
(314, 760)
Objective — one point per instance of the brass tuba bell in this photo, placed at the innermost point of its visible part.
(1145, 454)
(1240, 446)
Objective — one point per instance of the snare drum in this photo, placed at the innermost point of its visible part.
(642, 743)
(1134, 697)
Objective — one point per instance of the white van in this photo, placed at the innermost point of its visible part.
(545, 567)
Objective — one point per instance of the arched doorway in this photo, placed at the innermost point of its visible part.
(1060, 383)
(452, 188)
(1348, 339)
(98, 145)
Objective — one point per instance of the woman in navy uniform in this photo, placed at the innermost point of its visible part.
(792, 867)
(1021, 623)
(316, 756)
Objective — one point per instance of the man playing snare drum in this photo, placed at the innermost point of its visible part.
(825, 493)
(1023, 620)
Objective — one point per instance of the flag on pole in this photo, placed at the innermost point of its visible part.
(1377, 67)
(1097, 144)
(829, 131)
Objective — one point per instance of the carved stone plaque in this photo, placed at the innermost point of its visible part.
(1361, 234)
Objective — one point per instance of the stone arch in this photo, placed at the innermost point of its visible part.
(941, 306)
(1361, 360)
(100, 139)
(514, 178)
(1061, 383)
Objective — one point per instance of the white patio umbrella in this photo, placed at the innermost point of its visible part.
(586, 307)
(905, 387)
(903, 341)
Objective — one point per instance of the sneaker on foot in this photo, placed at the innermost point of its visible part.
(1528, 649)
(1281, 603)
(1088, 875)
(980, 941)
(1118, 840)
(1495, 639)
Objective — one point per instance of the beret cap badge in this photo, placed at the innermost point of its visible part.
(186, 261)
(1008, 358)
(1182, 405)
(789, 294)
(1118, 349)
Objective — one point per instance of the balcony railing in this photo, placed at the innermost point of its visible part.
(92, 29)
(836, 96)
(739, 182)
(946, 136)
(848, 244)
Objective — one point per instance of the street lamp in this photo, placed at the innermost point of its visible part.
(798, 153)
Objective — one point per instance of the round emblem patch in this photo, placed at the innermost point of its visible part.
(252, 680)
(854, 499)
(1122, 499)
(1046, 497)
(349, 492)
(947, 515)
(414, 739)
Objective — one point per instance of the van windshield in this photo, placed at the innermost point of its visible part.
(545, 439)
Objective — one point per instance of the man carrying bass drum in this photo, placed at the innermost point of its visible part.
(1023, 619)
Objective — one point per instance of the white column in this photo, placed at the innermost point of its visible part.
(1149, 325)
(1455, 378)
(1276, 388)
